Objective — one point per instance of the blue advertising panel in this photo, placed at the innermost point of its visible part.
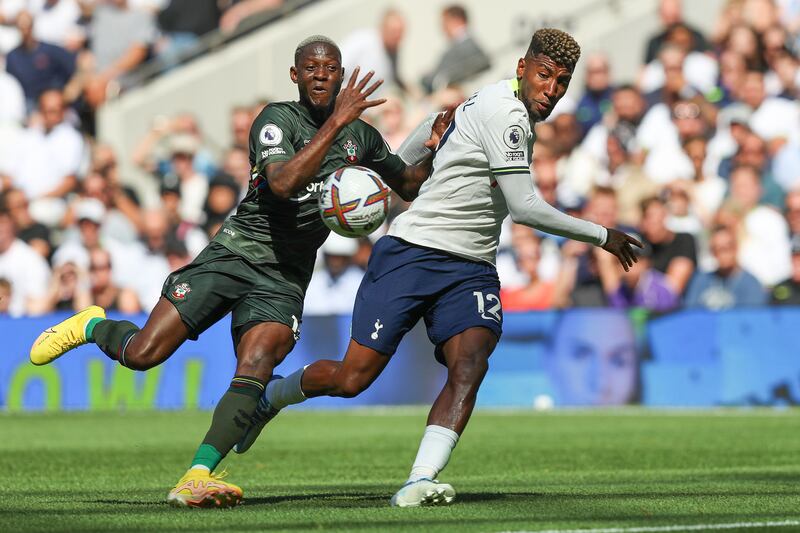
(578, 357)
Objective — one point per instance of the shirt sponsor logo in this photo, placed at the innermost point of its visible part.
(272, 151)
(271, 135)
(513, 137)
(515, 155)
(311, 189)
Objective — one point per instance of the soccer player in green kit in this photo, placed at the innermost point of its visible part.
(260, 262)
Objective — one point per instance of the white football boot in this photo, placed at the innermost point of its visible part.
(423, 492)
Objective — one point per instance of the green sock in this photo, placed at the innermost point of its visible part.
(90, 328)
(111, 336)
(231, 419)
(207, 456)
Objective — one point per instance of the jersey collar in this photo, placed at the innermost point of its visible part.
(513, 84)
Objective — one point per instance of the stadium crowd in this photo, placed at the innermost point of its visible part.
(699, 156)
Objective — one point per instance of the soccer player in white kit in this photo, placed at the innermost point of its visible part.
(437, 261)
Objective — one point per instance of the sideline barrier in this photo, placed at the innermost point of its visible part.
(575, 357)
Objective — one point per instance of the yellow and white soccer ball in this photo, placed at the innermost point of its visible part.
(354, 201)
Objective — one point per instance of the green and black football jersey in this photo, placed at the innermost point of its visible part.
(269, 230)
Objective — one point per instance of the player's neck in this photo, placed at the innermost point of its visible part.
(318, 115)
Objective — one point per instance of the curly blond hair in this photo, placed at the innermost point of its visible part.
(557, 45)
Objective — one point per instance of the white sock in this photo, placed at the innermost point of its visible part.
(200, 467)
(286, 391)
(434, 452)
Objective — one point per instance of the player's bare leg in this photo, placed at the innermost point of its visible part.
(262, 347)
(467, 357)
(345, 379)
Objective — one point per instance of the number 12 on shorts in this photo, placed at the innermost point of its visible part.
(493, 312)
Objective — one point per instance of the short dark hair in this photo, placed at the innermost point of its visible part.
(456, 11)
(557, 45)
(314, 39)
(645, 204)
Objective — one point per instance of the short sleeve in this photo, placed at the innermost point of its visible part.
(271, 138)
(506, 139)
(380, 157)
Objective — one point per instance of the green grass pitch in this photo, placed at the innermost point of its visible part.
(336, 470)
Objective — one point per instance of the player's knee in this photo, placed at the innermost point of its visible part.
(468, 370)
(143, 355)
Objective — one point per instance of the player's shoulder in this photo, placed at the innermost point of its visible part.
(277, 111)
(500, 99)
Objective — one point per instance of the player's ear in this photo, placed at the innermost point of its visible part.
(293, 74)
(520, 67)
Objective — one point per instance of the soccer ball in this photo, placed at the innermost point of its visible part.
(354, 201)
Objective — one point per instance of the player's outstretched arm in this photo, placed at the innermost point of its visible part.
(287, 178)
(408, 183)
(526, 207)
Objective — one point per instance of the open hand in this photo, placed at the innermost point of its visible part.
(619, 244)
(352, 99)
(440, 125)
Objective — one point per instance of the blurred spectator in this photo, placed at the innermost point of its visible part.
(38, 66)
(792, 211)
(671, 84)
(578, 283)
(392, 122)
(182, 23)
(625, 119)
(153, 152)
(153, 266)
(671, 12)
(729, 285)
(69, 284)
(681, 218)
(694, 71)
(184, 231)
(545, 171)
(57, 22)
(686, 119)
(627, 177)
(5, 297)
(641, 286)
(333, 289)
(223, 197)
(752, 152)
(14, 108)
(36, 235)
(536, 293)
(377, 50)
(577, 170)
(463, 59)
(706, 191)
(243, 9)
(104, 292)
(24, 269)
(743, 40)
(49, 159)
(193, 185)
(732, 69)
(673, 254)
(241, 120)
(596, 99)
(120, 39)
(787, 292)
(772, 117)
(763, 241)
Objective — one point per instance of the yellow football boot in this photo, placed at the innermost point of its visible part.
(201, 488)
(61, 338)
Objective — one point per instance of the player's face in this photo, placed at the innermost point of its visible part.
(542, 83)
(318, 75)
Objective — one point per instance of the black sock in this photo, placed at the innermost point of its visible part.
(112, 336)
(232, 416)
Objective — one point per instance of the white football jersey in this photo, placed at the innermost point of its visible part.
(460, 208)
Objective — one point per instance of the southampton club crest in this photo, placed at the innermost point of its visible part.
(352, 151)
(180, 291)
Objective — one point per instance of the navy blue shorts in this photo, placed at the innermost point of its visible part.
(405, 282)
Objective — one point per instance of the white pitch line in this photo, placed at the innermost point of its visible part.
(657, 529)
